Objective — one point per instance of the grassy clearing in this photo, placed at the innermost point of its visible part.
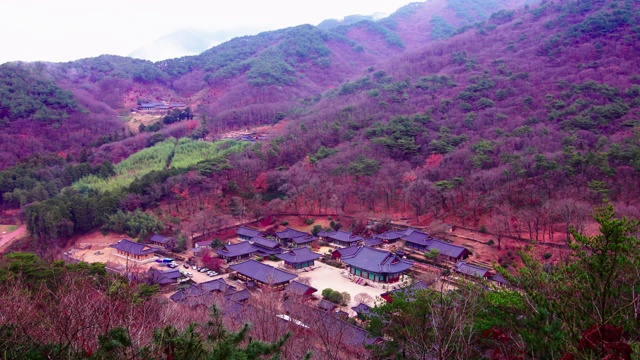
(181, 153)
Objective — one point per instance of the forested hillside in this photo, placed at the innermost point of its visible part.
(542, 98)
(520, 123)
(245, 81)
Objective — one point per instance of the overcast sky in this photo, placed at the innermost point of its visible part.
(64, 30)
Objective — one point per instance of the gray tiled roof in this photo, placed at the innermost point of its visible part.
(205, 243)
(499, 279)
(390, 235)
(264, 242)
(132, 247)
(240, 249)
(307, 238)
(167, 240)
(164, 277)
(298, 255)
(471, 270)
(418, 237)
(372, 242)
(216, 285)
(243, 231)
(342, 236)
(347, 251)
(194, 294)
(290, 233)
(363, 309)
(326, 305)
(298, 288)
(447, 249)
(377, 261)
(347, 333)
(238, 296)
(261, 272)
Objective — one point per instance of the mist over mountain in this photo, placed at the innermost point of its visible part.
(185, 42)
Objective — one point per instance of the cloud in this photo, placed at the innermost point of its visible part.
(64, 30)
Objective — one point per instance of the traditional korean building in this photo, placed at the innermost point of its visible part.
(372, 242)
(294, 238)
(193, 295)
(202, 244)
(164, 277)
(417, 240)
(499, 280)
(202, 294)
(362, 311)
(390, 236)
(326, 305)
(299, 289)
(407, 290)
(262, 274)
(471, 271)
(338, 254)
(299, 258)
(265, 246)
(167, 242)
(247, 234)
(377, 265)
(449, 252)
(340, 238)
(134, 251)
(236, 252)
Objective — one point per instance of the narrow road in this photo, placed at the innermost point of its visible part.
(6, 239)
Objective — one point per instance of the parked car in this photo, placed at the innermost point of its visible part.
(203, 270)
(195, 267)
(212, 273)
(189, 274)
(186, 266)
(172, 266)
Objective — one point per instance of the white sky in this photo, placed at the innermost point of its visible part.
(64, 30)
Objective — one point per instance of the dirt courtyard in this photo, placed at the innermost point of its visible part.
(324, 276)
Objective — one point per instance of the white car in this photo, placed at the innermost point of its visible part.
(189, 274)
(212, 273)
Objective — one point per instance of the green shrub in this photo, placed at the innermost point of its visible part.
(326, 292)
(309, 221)
(284, 223)
(490, 242)
(546, 256)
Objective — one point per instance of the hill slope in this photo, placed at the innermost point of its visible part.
(248, 80)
